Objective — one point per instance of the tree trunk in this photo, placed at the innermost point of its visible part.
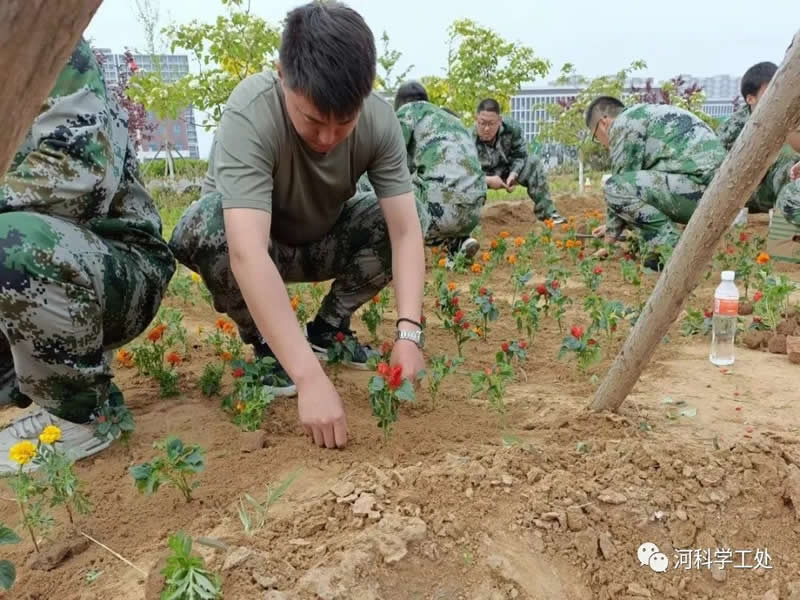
(36, 39)
(580, 173)
(776, 114)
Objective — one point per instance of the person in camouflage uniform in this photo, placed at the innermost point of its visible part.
(505, 160)
(662, 160)
(446, 174)
(777, 189)
(83, 265)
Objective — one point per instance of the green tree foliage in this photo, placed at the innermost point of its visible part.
(227, 51)
(482, 64)
(387, 62)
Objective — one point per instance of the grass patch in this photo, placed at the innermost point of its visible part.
(171, 206)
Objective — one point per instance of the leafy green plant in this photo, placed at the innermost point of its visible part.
(253, 513)
(772, 298)
(441, 367)
(373, 314)
(182, 286)
(387, 390)
(631, 271)
(697, 322)
(487, 310)
(63, 484)
(605, 314)
(114, 419)
(592, 274)
(250, 399)
(150, 360)
(252, 402)
(176, 467)
(8, 573)
(186, 575)
(526, 315)
(583, 345)
(211, 379)
(492, 383)
(453, 318)
(225, 340)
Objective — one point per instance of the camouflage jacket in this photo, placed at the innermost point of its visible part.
(730, 129)
(77, 161)
(661, 137)
(441, 149)
(507, 153)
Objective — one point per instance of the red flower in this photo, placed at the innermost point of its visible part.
(174, 358)
(482, 291)
(465, 325)
(339, 337)
(488, 371)
(592, 342)
(743, 237)
(576, 331)
(541, 290)
(708, 314)
(523, 344)
(526, 298)
(505, 347)
(458, 316)
(386, 347)
(598, 270)
(454, 301)
(101, 419)
(758, 296)
(239, 372)
(396, 378)
(730, 250)
(384, 370)
(555, 284)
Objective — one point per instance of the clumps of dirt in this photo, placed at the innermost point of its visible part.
(508, 214)
(562, 515)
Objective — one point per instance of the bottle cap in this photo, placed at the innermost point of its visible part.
(728, 275)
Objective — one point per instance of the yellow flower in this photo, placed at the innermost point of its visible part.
(545, 239)
(478, 331)
(22, 452)
(442, 262)
(50, 434)
(196, 278)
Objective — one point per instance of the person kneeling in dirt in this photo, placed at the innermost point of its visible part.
(281, 207)
(777, 189)
(505, 159)
(662, 160)
(446, 174)
(83, 266)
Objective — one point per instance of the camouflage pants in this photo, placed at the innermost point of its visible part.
(778, 191)
(67, 298)
(651, 201)
(355, 253)
(534, 179)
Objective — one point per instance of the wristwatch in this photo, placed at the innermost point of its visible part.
(417, 336)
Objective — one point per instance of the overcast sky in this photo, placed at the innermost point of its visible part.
(703, 38)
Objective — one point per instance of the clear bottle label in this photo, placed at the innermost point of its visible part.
(726, 307)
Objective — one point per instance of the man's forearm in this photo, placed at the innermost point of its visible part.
(263, 290)
(408, 268)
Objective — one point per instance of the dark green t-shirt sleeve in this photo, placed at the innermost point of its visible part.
(242, 164)
(388, 172)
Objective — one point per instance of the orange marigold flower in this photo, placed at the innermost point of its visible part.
(451, 286)
(578, 244)
(476, 268)
(226, 356)
(494, 244)
(559, 244)
(435, 250)
(229, 328)
(486, 257)
(504, 234)
(762, 258)
(512, 258)
(565, 227)
(376, 299)
(518, 241)
(157, 332)
(125, 358)
(442, 262)
(570, 243)
(174, 358)
(295, 302)
(549, 223)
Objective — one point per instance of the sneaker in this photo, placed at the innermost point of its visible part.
(277, 381)
(557, 218)
(470, 247)
(77, 441)
(322, 336)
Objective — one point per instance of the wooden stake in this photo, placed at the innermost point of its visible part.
(777, 113)
(36, 39)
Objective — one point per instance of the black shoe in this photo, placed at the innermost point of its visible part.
(653, 263)
(277, 381)
(322, 336)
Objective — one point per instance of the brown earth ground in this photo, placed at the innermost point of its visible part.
(445, 510)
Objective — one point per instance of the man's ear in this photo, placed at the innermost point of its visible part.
(751, 100)
(278, 68)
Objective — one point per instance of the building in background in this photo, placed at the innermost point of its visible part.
(528, 106)
(181, 133)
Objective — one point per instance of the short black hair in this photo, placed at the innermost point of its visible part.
(327, 54)
(603, 106)
(488, 105)
(410, 91)
(756, 77)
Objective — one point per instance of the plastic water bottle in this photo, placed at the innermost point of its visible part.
(726, 313)
(741, 218)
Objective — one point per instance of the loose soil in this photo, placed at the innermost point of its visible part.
(452, 507)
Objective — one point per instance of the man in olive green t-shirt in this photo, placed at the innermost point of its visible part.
(279, 205)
